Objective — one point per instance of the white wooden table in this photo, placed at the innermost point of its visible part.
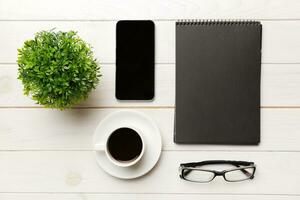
(47, 154)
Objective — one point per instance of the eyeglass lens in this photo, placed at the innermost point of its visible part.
(198, 175)
(239, 174)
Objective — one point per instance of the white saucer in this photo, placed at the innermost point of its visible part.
(151, 136)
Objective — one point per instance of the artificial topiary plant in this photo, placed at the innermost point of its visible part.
(57, 69)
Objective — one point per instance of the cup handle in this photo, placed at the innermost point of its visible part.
(99, 147)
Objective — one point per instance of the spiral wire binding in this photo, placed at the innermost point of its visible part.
(213, 22)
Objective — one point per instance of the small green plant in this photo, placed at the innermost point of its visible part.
(57, 69)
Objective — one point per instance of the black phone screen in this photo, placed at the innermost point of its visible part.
(135, 60)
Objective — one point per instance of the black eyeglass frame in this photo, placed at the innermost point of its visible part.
(237, 164)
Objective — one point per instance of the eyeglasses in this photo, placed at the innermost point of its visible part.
(193, 172)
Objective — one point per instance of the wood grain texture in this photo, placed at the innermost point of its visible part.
(280, 87)
(77, 171)
(280, 39)
(11, 89)
(87, 196)
(101, 35)
(45, 129)
(153, 9)
(47, 154)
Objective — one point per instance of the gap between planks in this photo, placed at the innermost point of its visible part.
(148, 193)
(129, 107)
(163, 150)
(170, 63)
(114, 20)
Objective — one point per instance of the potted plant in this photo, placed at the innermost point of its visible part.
(57, 69)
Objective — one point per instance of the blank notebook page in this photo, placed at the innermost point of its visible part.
(218, 69)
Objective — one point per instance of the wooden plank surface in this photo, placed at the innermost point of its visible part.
(87, 196)
(101, 35)
(280, 85)
(77, 171)
(45, 129)
(47, 154)
(11, 89)
(280, 39)
(154, 9)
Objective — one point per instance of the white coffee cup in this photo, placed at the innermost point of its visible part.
(105, 147)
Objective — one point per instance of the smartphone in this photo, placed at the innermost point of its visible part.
(135, 60)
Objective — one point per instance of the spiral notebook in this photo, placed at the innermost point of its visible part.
(218, 70)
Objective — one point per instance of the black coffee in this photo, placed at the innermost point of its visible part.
(125, 144)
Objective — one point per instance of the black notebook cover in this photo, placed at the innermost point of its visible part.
(218, 69)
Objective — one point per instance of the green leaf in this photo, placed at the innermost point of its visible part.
(57, 69)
